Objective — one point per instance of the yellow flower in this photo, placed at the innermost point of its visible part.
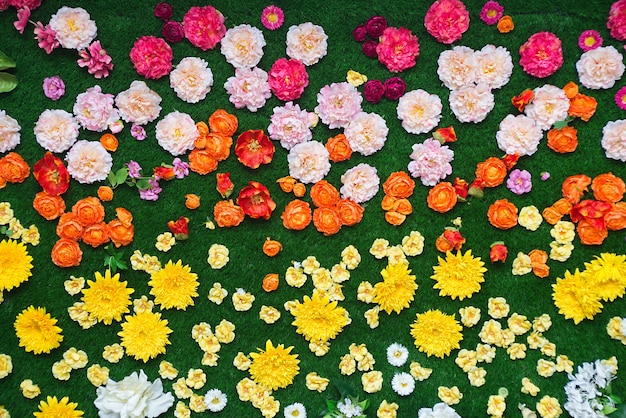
(395, 255)
(355, 78)
(516, 351)
(496, 405)
(485, 353)
(97, 375)
(548, 349)
(201, 330)
(316, 382)
(143, 304)
(522, 264)
(269, 314)
(181, 390)
(347, 364)
(167, 370)
(436, 333)
(15, 228)
(165, 242)
(564, 364)
(366, 363)
(563, 232)
(182, 410)
(372, 381)
(225, 332)
(217, 293)
(387, 410)
(530, 218)
(241, 361)
(542, 323)
(31, 236)
(6, 213)
(310, 264)
(52, 408)
(320, 349)
(61, 370)
(549, 407)
(397, 289)
(29, 390)
(77, 359)
(608, 272)
(209, 343)
(466, 359)
(6, 365)
(196, 378)
(37, 330)
(379, 248)
(321, 278)
(614, 329)
(318, 319)
(459, 275)
(419, 372)
(365, 292)
(274, 367)
(351, 257)
(536, 340)
(413, 244)
(560, 252)
(498, 308)
(295, 277)
(335, 293)
(174, 286)
(218, 256)
(469, 316)
(545, 368)
(371, 317)
(451, 396)
(210, 359)
(144, 335)
(78, 313)
(339, 273)
(507, 338)
(197, 404)
(242, 300)
(74, 285)
(4, 413)
(529, 387)
(518, 324)
(15, 264)
(491, 332)
(107, 298)
(476, 376)
(575, 297)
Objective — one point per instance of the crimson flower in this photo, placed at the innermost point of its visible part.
(590, 209)
(254, 148)
(461, 188)
(224, 184)
(180, 228)
(510, 160)
(255, 201)
(51, 174)
(498, 252)
(164, 172)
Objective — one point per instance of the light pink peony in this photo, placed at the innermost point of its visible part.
(288, 79)
(291, 125)
(549, 105)
(176, 133)
(360, 183)
(307, 43)
(94, 110)
(600, 68)
(242, 46)
(88, 162)
(494, 66)
(457, 67)
(397, 49)
(616, 21)
(248, 88)
(96, 59)
(447, 20)
(56, 130)
(541, 55)
(366, 133)
(518, 134)
(139, 104)
(74, 27)
(430, 162)
(614, 140)
(9, 132)
(151, 57)
(192, 79)
(337, 103)
(308, 162)
(204, 26)
(471, 103)
(419, 111)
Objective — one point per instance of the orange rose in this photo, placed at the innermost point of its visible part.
(270, 282)
(227, 214)
(49, 206)
(299, 189)
(574, 187)
(13, 168)
(505, 24)
(192, 201)
(218, 146)
(68, 227)
(551, 215)
(105, 193)
(223, 123)
(388, 203)
(589, 234)
(404, 207)
(563, 140)
(563, 206)
(538, 256)
(324, 194)
(88, 211)
(541, 270)
(399, 185)
(502, 214)
(615, 218)
(109, 142)
(492, 172)
(349, 212)
(271, 247)
(338, 148)
(326, 220)
(608, 187)
(66, 253)
(201, 161)
(120, 234)
(286, 183)
(394, 218)
(442, 197)
(571, 90)
(96, 234)
(297, 215)
(443, 245)
(124, 216)
(203, 128)
(582, 106)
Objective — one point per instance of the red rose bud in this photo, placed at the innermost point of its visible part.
(224, 184)
(163, 11)
(180, 228)
(476, 188)
(454, 237)
(498, 252)
(375, 26)
(374, 91)
(444, 135)
(523, 99)
(359, 33)
(369, 48)
(164, 172)
(461, 188)
(173, 31)
(510, 160)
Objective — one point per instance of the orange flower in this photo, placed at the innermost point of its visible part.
(109, 142)
(223, 123)
(13, 168)
(505, 24)
(49, 206)
(180, 228)
(51, 174)
(227, 214)
(271, 247)
(326, 220)
(404, 206)
(192, 201)
(502, 214)
(510, 160)
(201, 161)
(324, 194)
(286, 183)
(394, 218)
(120, 233)
(66, 253)
(582, 106)
(498, 252)
(461, 188)
(442, 197)
(574, 187)
(349, 212)
(299, 189)
(551, 215)
(589, 233)
(96, 234)
(492, 172)
(615, 218)
(254, 148)
(255, 200)
(523, 99)
(218, 146)
(105, 193)
(571, 90)
(388, 203)
(88, 211)
(563, 140)
(68, 227)
(563, 206)
(541, 270)
(270, 282)
(444, 135)
(538, 260)
(608, 187)
(203, 128)
(203, 131)
(450, 239)
(124, 216)
(338, 148)
(297, 215)
(164, 172)
(399, 185)
(590, 209)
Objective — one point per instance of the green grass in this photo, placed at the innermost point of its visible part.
(120, 23)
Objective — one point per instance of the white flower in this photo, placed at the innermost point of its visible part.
(397, 354)
(9, 132)
(139, 104)
(88, 162)
(308, 162)
(74, 27)
(349, 409)
(242, 46)
(215, 400)
(337, 103)
(600, 68)
(457, 67)
(518, 135)
(614, 140)
(471, 103)
(366, 133)
(440, 410)
(360, 183)
(94, 109)
(494, 66)
(403, 383)
(134, 396)
(176, 133)
(295, 410)
(191, 79)
(56, 130)
(419, 111)
(307, 43)
(549, 105)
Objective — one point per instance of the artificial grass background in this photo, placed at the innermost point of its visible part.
(120, 23)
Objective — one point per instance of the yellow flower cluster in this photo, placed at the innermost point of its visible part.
(260, 397)
(15, 229)
(29, 389)
(73, 359)
(563, 233)
(359, 358)
(436, 333)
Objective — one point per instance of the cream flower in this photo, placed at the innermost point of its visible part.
(564, 364)
(307, 43)
(470, 316)
(516, 351)
(269, 314)
(522, 264)
(498, 308)
(196, 378)
(347, 364)
(372, 381)
(372, 317)
(542, 323)
(315, 382)
(519, 135)
(74, 27)
(419, 372)
(451, 396)
(340, 273)
(77, 359)
(545, 368)
(419, 111)
(560, 252)
(360, 183)
(242, 46)
(142, 304)
(9, 132)
(310, 264)
(563, 232)
(549, 407)
(387, 410)
(613, 140)
(218, 256)
(530, 218)
(308, 161)
(61, 370)
(321, 279)
(491, 332)
(466, 359)
(29, 389)
(31, 235)
(518, 324)
(395, 255)
(201, 330)
(295, 277)
(494, 66)
(529, 388)
(74, 285)
(138, 104)
(549, 105)
(225, 332)
(379, 248)
(88, 162)
(485, 353)
(197, 404)
(176, 133)
(56, 130)
(600, 68)
(6, 365)
(319, 348)
(355, 78)
(242, 300)
(217, 293)
(351, 257)
(242, 362)
(413, 244)
(366, 133)
(210, 359)
(182, 410)
(548, 349)
(113, 353)
(536, 340)
(476, 376)
(471, 103)
(167, 370)
(6, 213)
(181, 390)
(165, 241)
(97, 375)
(209, 343)
(496, 405)
(192, 79)
(457, 67)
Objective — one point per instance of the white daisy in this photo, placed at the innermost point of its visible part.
(403, 383)
(215, 400)
(295, 410)
(397, 354)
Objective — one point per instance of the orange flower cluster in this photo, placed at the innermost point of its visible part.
(13, 169)
(214, 142)
(450, 239)
(398, 188)
(288, 185)
(538, 260)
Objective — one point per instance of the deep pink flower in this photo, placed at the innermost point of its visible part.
(375, 26)
(394, 88)
(152, 192)
(204, 26)
(163, 11)
(173, 31)
(447, 20)
(288, 78)
(589, 39)
(53, 87)
(46, 37)
(373, 90)
(519, 181)
(22, 19)
(152, 57)
(359, 33)
(272, 17)
(616, 22)
(138, 132)
(369, 48)
(541, 55)
(397, 49)
(620, 98)
(4, 5)
(491, 12)
(96, 59)
(18, 4)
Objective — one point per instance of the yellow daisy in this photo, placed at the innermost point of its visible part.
(144, 335)
(37, 331)
(459, 275)
(576, 297)
(174, 286)
(608, 274)
(397, 289)
(52, 408)
(318, 319)
(107, 298)
(274, 367)
(15, 264)
(436, 333)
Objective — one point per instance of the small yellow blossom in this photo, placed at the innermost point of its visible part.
(201, 330)
(4, 413)
(366, 363)
(563, 232)
(319, 348)
(321, 278)
(217, 293)
(97, 374)
(167, 370)
(270, 408)
(242, 300)
(451, 396)
(209, 343)
(530, 218)
(136, 261)
(365, 292)
(395, 255)
(413, 244)
(290, 305)
(469, 316)
(564, 364)
(496, 405)
(610, 362)
(79, 314)
(245, 387)
(614, 329)
(372, 317)
(209, 225)
(182, 410)
(77, 359)
(6, 213)
(419, 372)
(518, 324)
(529, 387)
(218, 256)
(142, 304)
(485, 353)
(29, 389)
(491, 333)
(516, 351)
(113, 353)
(358, 351)
(372, 381)
(210, 359)
(295, 277)
(197, 404)
(225, 332)
(549, 407)
(476, 376)
(508, 337)
(165, 242)
(560, 252)
(347, 364)
(310, 264)
(31, 235)
(355, 78)
(6, 365)
(74, 285)
(61, 370)
(335, 293)
(542, 323)
(339, 273)
(379, 248)
(196, 378)
(522, 264)
(536, 340)
(387, 410)
(548, 349)
(15, 229)
(242, 362)
(269, 314)
(545, 368)
(315, 382)
(498, 308)
(466, 359)
(181, 390)
(351, 257)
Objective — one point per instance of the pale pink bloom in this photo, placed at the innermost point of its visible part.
(46, 37)
(88, 162)
(549, 105)
(56, 130)
(151, 57)
(176, 133)
(204, 26)
(288, 79)
(397, 49)
(518, 134)
(614, 140)
(419, 111)
(472, 103)
(242, 46)
(366, 133)
(192, 79)
(248, 88)
(139, 104)
(22, 19)
(447, 20)
(616, 22)
(116, 127)
(600, 68)
(360, 183)
(74, 27)
(96, 59)
(494, 66)
(9, 132)
(430, 162)
(308, 162)
(337, 103)
(94, 110)
(290, 125)
(541, 55)
(307, 43)
(457, 67)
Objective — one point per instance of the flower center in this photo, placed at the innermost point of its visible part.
(273, 18)
(590, 41)
(491, 13)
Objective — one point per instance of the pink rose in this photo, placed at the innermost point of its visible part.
(369, 48)
(173, 31)
(288, 78)
(447, 20)
(152, 57)
(359, 33)
(163, 11)
(204, 26)
(394, 88)
(374, 91)
(397, 49)
(375, 26)
(541, 55)
(616, 22)
(18, 4)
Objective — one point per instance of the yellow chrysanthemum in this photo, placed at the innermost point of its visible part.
(53, 408)
(37, 330)
(576, 297)
(318, 319)
(274, 367)
(608, 274)
(174, 286)
(15, 264)
(397, 289)
(107, 298)
(436, 333)
(144, 335)
(459, 275)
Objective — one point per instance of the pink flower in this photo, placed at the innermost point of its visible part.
(46, 37)
(18, 4)
(337, 104)
(519, 181)
(397, 49)
(94, 110)
(96, 59)
(494, 66)
(457, 67)
(53, 87)
(288, 78)
(308, 162)
(366, 133)
(518, 135)
(374, 90)
(541, 55)
(616, 22)
(589, 39)
(620, 98)
(549, 105)
(152, 192)
(272, 17)
(491, 12)
(360, 183)
(74, 27)
(192, 79)
(151, 57)
(419, 111)
(88, 162)
(139, 104)
(22, 19)
(430, 161)
(173, 31)
(447, 20)
(138, 132)
(242, 46)
(163, 11)
(375, 26)
(394, 88)
(471, 103)
(359, 33)
(204, 26)
(600, 68)
(176, 133)
(290, 125)
(545, 175)
(248, 88)
(613, 142)
(307, 43)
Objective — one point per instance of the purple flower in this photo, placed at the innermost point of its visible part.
(369, 48)
(173, 31)
(375, 26)
(138, 132)
(519, 181)
(152, 192)
(181, 168)
(163, 11)
(53, 87)
(134, 169)
(359, 33)
(394, 88)
(374, 91)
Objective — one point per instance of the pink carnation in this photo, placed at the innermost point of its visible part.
(397, 49)
(96, 59)
(338, 103)
(46, 37)
(541, 55)
(616, 22)
(430, 162)
(288, 78)
(248, 88)
(447, 20)
(94, 110)
(152, 57)
(204, 26)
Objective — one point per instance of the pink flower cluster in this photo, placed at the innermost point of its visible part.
(616, 23)
(430, 162)
(447, 20)
(288, 79)
(337, 104)
(291, 125)
(541, 55)
(204, 26)
(151, 57)
(96, 59)
(397, 49)
(19, 4)
(94, 109)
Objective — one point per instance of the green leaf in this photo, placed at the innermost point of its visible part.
(345, 389)
(6, 62)
(121, 175)
(7, 82)
(143, 184)
(112, 178)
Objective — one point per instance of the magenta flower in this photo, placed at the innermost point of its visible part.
(151, 57)
(589, 39)
(541, 55)
(369, 48)
(491, 12)
(620, 98)
(134, 169)
(22, 19)
(46, 37)
(173, 31)
(397, 49)
(359, 33)
(204, 26)
(519, 181)
(96, 59)
(545, 175)
(616, 23)
(394, 88)
(163, 11)
(375, 26)
(181, 168)
(53, 87)
(447, 20)
(272, 17)
(152, 192)
(374, 90)
(287, 79)
(138, 132)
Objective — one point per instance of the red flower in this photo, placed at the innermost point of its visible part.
(476, 188)
(523, 99)
(224, 184)
(461, 188)
(444, 135)
(164, 172)
(498, 252)
(255, 200)
(180, 228)
(590, 210)
(254, 148)
(510, 160)
(51, 174)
